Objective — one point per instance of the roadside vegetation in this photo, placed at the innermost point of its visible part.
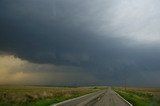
(141, 96)
(39, 96)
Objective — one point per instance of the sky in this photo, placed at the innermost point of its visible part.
(80, 42)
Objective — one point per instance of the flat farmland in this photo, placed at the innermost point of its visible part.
(39, 96)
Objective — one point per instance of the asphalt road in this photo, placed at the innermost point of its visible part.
(101, 98)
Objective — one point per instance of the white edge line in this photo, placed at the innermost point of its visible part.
(71, 99)
(123, 98)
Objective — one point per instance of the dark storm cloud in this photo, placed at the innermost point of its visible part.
(29, 32)
(95, 35)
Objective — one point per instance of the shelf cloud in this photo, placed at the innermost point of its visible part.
(107, 40)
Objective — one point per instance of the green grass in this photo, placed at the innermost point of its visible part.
(47, 102)
(39, 96)
(43, 102)
(139, 97)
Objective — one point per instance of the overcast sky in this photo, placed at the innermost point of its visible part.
(80, 42)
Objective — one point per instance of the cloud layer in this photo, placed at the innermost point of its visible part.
(108, 39)
(16, 71)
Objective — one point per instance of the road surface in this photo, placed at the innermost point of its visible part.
(101, 98)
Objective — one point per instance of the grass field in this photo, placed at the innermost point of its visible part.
(39, 96)
(141, 96)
